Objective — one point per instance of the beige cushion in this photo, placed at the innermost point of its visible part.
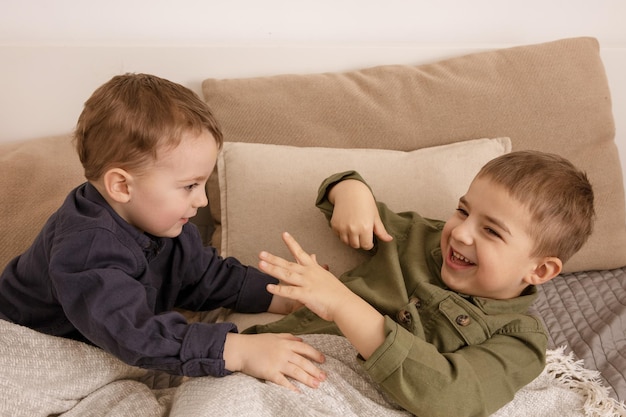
(267, 189)
(552, 97)
(35, 178)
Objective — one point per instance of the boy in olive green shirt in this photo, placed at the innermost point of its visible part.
(438, 314)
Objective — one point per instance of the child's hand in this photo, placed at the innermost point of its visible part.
(282, 305)
(355, 216)
(274, 357)
(305, 281)
(326, 296)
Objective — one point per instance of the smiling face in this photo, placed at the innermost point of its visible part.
(486, 246)
(163, 197)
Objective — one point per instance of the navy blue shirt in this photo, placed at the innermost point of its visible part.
(91, 276)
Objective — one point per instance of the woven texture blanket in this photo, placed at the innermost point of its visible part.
(586, 311)
(41, 375)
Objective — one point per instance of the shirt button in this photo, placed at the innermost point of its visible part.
(403, 316)
(415, 301)
(463, 320)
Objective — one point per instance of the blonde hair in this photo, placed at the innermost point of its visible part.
(557, 194)
(130, 117)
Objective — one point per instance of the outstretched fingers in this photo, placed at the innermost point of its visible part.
(299, 254)
(283, 269)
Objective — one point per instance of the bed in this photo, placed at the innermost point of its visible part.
(418, 132)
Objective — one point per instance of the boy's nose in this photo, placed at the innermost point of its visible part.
(462, 233)
(201, 200)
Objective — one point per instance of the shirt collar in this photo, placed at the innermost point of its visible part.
(151, 245)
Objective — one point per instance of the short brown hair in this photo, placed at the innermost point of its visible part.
(128, 118)
(558, 195)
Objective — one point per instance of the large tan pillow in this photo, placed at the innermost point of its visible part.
(268, 189)
(552, 96)
(35, 178)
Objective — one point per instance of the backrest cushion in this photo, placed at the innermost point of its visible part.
(552, 96)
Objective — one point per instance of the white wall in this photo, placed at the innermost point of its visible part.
(200, 21)
(488, 23)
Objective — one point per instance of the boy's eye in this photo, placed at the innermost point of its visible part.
(493, 232)
(462, 212)
(191, 186)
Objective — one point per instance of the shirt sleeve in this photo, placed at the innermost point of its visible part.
(322, 195)
(210, 281)
(476, 380)
(114, 311)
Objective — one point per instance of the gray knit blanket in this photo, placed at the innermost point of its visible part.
(42, 375)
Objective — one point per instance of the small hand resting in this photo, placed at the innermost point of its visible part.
(318, 289)
(355, 216)
(274, 357)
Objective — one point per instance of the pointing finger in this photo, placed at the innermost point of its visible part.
(296, 250)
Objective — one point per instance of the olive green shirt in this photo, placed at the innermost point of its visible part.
(445, 354)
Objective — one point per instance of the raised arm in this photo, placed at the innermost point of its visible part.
(318, 289)
(355, 218)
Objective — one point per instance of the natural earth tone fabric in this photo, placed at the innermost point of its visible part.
(268, 189)
(552, 96)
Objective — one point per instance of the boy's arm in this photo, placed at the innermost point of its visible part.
(349, 205)
(475, 380)
(209, 281)
(309, 283)
(116, 312)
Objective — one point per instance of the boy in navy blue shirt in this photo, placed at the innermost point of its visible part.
(119, 255)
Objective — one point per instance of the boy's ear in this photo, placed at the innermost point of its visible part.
(117, 184)
(549, 268)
